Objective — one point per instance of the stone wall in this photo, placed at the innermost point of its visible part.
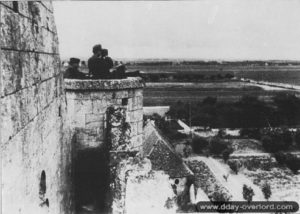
(88, 101)
(35, 146)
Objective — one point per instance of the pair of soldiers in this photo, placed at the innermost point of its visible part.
(99, 65)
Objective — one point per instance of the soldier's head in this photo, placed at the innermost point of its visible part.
(74, 62)
(97, 49)
(104, 52)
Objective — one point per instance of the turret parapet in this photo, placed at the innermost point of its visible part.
(87, 104)
(104, 84)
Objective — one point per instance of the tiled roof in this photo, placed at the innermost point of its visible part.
(162, 155)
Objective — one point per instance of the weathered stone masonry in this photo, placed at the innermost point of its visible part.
(35, 144)
(108, 115)
(88, 101)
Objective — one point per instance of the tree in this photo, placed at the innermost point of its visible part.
(234, 166)
(267, 143)
(254, 112)
(248, 193)
(280, 158)
(277, 140)
(288, 106)
(187, 150)
(293, 163)
(217, 196)
(251, 133)
(226, 154)
(198, 144)
(266, 189)
(217, 146)
(221, 133)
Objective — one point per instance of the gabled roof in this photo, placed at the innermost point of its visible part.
(162, 155)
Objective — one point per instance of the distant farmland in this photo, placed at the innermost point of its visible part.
(168, 93)
(273, 73)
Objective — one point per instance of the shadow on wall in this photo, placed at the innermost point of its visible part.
(91, 180)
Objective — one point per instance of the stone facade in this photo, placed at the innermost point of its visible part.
(88, 101)
(35, 144)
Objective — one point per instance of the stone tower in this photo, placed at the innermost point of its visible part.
(106, 117)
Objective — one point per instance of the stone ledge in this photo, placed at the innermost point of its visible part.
(103, 84)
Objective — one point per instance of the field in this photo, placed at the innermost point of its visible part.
(156, 94)
(274, 73)
(166, 93)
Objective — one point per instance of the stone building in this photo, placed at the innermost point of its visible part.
(68, 145)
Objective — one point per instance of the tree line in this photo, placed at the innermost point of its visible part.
(248, 112)
(181, 77)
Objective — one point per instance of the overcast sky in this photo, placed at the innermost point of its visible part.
(206, 29)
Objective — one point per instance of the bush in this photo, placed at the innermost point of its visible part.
(280, 158)
(234, 166)
(226, 154)
(250, 133)
(248, 193)
(293, 163)
(218, 197)
(187, 150)
(266, 189)
(276, 141)
(217, 146)
(267, 143)
(198, 144)
(221, 133)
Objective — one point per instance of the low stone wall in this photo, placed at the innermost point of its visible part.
(206, 180)
(88, 101)
(255, 162)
